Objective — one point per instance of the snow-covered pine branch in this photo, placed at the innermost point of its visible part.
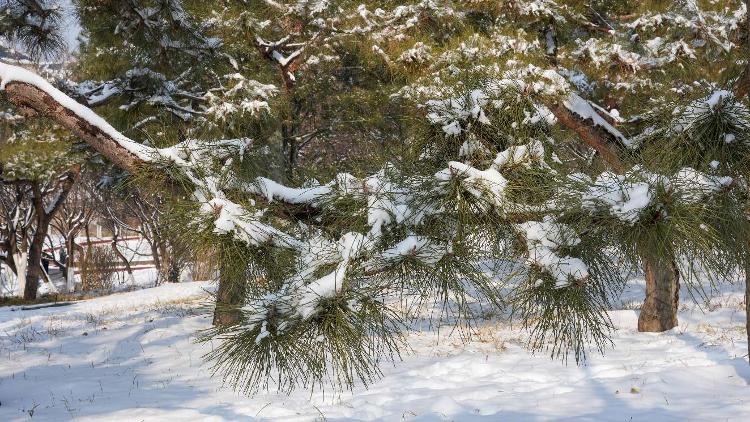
(32, 93)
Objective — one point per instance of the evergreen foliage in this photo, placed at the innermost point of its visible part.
(477, 110)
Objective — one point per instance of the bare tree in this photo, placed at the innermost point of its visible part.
(28, 215)
(74, 216)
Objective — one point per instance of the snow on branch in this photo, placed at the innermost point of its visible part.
(584, 109)
(174, 95)
(34, 94)
(232, 218)
(276, 50)
(726, 103)
(544, 240)
(273, 190)
(592, 135)
(627, 196)
(31, 92)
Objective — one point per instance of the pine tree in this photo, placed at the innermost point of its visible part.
(34, 24)
(514, 146)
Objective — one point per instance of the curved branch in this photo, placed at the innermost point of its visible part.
(33, 100)
(35, 96)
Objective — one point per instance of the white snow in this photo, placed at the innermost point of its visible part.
(385, 201)
(273, 190)
(521, 154)
(471, 146)
(138, 361)
(719, 101)
(624, 195)
(417, 247)
(418, 54)
(717, 97)
(451, 112)
(324, 287)
(489, 184)
(232, 218)
(349, 247)
(543, 239)
(695, 186)
(583, 108)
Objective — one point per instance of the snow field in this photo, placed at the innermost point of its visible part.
(133, 356)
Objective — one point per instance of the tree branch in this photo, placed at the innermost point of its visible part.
(36, 99)
(592, 135)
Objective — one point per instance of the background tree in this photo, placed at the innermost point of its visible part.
(38, 173)
(73, 218)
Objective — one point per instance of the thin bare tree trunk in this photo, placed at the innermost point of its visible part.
(118, 252)
(70, 250)
(659, 311)
(157, 261)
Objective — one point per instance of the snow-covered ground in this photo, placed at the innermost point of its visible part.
(132, 357)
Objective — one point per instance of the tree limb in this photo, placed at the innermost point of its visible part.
(32, 100)
(592, 135)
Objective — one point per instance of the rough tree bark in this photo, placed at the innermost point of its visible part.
(741, 90)
(591, 135)
(659, 311)
(32, 100)
(228, 296)
(742, 86)
(231, 291)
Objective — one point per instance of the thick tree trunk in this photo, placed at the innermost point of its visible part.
(228, 297)
(742, 85)
(659, 311)
(231, 292)
(34, 265)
